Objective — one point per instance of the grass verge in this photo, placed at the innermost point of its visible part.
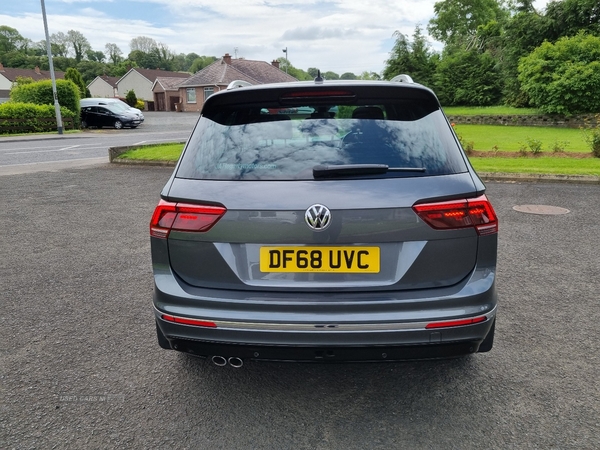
(542, 165)
(512, 139)
(538, 165)
(160, 152)
(488, 111)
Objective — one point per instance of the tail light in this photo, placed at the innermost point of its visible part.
(476, 212)
(183, 217)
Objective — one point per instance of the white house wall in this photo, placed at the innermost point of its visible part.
(140, 85)
(5, 83)
(100, 88)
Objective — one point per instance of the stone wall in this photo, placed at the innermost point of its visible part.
(538, 120)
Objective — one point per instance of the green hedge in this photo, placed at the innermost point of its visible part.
(14, 116)
(40, 93)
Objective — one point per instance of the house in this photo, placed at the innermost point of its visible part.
(196, 89)
(8, 76)
(166, 93)
(104, 86)
(142, 80)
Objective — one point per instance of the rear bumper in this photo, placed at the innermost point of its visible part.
(325, 343)
(324, 354)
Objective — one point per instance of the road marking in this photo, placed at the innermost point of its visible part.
(45, 147)
(64, 149)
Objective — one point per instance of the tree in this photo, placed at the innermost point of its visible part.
(165, 57)
(79, 44)
(369, 76)
(284, 64)
(564, 77)
(329, 75)
(143, 44)
(95, 56)
(91, 69)
(114, 52)
(520, 35)
(74, 75)
(468, 77)
(455, 21)
(413, 58)
(313, 71)
(188, 60)
(569, 17)
(11, 40)
(348, 76)
(59, 44)
(201, 62)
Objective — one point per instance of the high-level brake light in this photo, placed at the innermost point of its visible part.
(476, 212)
(183, 217)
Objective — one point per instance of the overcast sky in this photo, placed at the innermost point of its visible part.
(337, 35)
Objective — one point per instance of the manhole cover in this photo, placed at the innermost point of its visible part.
(541, 209)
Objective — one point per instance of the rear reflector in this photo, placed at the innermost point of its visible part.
(183, 217)
(456, 323)
(468, 213)
(186, 321)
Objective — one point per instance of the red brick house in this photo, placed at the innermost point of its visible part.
(196, 89)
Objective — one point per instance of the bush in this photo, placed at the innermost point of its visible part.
(592, 136)
(140, 104)
(40, 93)
(130, 98)
(14, 114)
(563, 78)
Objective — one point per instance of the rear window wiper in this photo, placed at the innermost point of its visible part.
(343, 170)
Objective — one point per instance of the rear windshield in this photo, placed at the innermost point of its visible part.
(271, 142)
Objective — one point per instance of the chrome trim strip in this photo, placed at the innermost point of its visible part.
(330, 327)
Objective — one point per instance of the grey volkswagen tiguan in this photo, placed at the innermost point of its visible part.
(324, 221)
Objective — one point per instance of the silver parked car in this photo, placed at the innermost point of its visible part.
(356, 231)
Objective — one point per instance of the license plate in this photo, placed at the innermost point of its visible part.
(320, 259)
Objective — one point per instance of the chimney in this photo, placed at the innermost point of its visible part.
(37, 70)
(275, 63)
(1, 68)
(227, 58)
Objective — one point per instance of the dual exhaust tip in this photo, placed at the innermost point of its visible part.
(233, 361)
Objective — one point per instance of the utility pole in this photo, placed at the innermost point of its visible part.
(288, 59)
(59, 123)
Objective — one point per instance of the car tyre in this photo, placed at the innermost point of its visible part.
(488, 342)
(118, 124)
(84, 124)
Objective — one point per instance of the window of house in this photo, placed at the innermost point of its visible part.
(208, 91)
(191, 95)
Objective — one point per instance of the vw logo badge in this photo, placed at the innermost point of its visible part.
(317, 217)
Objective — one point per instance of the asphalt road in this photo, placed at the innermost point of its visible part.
(26, 154)
(80, 368)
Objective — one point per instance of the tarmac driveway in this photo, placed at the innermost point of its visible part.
(80, 368)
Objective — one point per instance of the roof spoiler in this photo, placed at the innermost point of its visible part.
(238, 84)
(403, 78)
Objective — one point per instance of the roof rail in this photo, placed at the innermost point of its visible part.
(403, 78)
(238, 84)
